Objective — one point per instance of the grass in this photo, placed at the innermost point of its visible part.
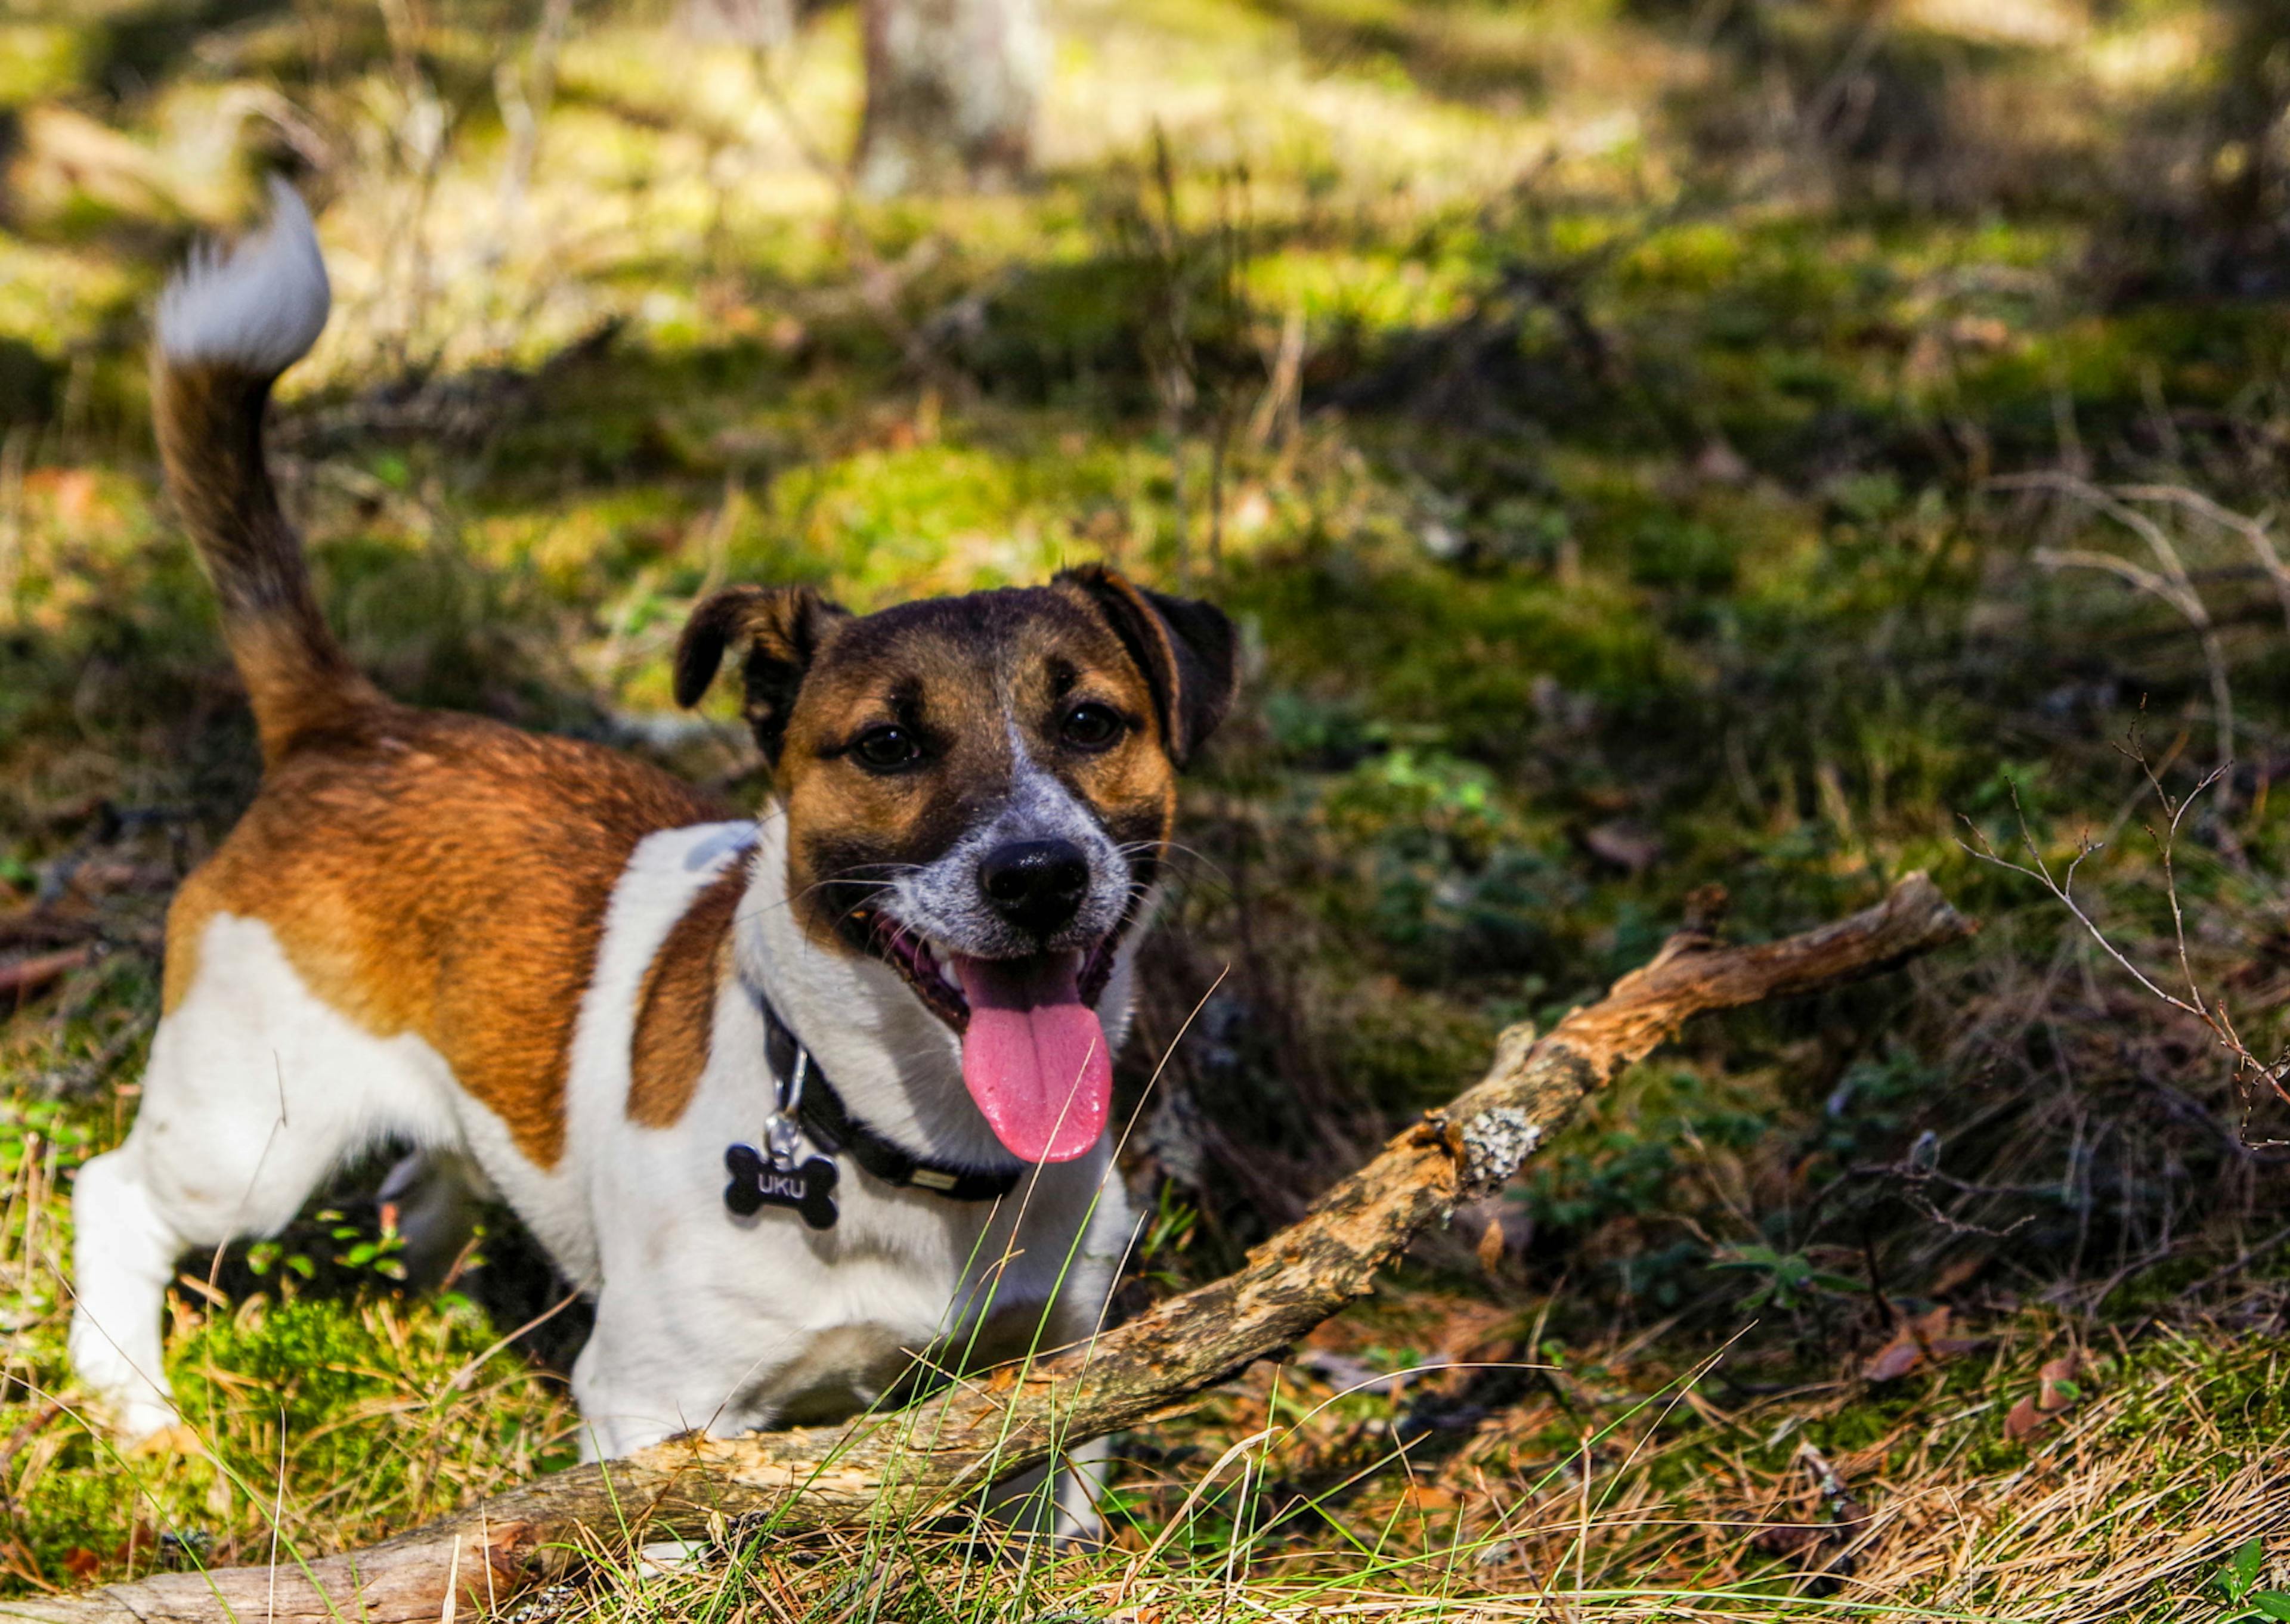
(1596, 415)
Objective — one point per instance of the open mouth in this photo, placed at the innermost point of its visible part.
(1034, 1054)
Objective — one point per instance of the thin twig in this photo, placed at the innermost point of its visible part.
(2173, 586)
(2256, 531)
(2211, 1011)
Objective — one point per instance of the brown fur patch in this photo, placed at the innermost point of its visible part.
(444, 875)
(676, 1006)
(209, 419)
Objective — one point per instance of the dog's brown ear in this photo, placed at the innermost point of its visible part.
(1185, 647)
(781, 627)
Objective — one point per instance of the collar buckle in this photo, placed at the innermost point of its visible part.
(783, 1129)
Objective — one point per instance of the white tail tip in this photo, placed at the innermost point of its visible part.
(259, 305)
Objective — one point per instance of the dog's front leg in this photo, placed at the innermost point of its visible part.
(652, 1370)
(1058, 1501)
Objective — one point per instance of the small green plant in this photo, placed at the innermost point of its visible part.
(379, 1253)
(263, 1256)
(1175, 1222)
(1785, 1280)
(2239, 1579)
(354, 1248)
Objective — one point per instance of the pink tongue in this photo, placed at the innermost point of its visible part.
(1034, 1056)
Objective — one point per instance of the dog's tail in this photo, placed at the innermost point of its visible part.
(229, 323)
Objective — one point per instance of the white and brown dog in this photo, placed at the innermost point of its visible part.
(580, 979)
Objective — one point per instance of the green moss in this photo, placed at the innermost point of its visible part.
(38, 59)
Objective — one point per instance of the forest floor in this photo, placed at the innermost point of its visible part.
(1648, 447)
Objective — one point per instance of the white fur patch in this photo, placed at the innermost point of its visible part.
(942, 901)
(256, 1090)
(261, 304)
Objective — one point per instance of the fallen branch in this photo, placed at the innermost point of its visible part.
(27, 977)
(917, 1461)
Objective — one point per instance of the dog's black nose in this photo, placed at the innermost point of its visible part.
(1036, 884)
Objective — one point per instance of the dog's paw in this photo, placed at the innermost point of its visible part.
(172, 1442)
(664, 1557)
(1078, 1536)
(144, 1424)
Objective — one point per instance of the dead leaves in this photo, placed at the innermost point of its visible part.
(1923, 1343)
(1492, 1247)
(1623, 844)
(2057, 1391)
(1918, 1343)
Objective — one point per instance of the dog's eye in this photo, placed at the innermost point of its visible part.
(1090, 727)
(885, 749)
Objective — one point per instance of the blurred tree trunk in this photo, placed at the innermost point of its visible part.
(951, 90)
(2249, 156)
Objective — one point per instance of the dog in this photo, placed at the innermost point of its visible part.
(799, 1099)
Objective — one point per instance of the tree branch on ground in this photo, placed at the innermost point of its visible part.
(915, 1463)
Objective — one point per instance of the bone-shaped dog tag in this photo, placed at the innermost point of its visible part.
(755, 1184)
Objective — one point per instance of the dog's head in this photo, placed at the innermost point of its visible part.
(979, 792)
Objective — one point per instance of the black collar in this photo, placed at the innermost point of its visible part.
(829, 1124)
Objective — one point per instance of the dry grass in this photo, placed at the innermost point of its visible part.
(1651, 1513)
